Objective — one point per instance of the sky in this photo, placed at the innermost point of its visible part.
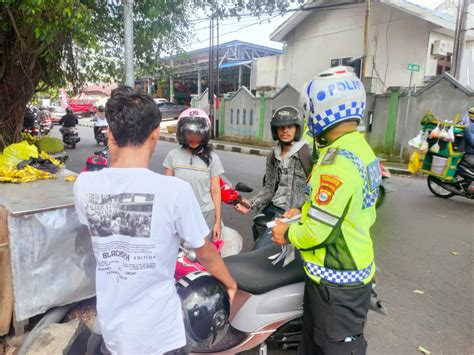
(255, 30)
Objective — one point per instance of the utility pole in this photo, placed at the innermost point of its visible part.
(366, 40)
(128, 27)
(460, 37)
(216, 121)
(210, 83)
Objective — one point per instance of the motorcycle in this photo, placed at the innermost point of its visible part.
(70, 136)
(382, 188)
(101, 135)
(267, 306)
(34, 131)
(46, 125)
(456, 187)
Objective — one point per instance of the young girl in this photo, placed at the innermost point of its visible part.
(197, 164)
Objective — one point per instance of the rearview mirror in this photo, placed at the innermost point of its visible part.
(241, 187)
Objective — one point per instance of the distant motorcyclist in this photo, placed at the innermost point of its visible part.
(29, 119)
(69, 120)
(99, 120)
(44, 114)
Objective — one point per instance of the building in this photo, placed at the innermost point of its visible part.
(190, 70)
(331, 33)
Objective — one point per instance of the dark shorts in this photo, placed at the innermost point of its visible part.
(330, 316)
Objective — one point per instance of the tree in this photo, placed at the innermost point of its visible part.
(54, 43)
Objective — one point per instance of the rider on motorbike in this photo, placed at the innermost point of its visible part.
(469, 144)
(99, 120)
(69, 120)
(28, 119)
(286, 168)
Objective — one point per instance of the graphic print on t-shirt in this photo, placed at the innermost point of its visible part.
(127, 214)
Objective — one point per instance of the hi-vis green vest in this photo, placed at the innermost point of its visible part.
(334, 233)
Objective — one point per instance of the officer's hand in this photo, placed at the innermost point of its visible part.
(278, 232)
(291, 213)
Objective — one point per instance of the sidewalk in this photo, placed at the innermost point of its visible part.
(394, 168)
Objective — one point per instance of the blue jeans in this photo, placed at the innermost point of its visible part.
(263, 236)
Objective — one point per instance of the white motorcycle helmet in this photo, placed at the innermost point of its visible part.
(334, 96)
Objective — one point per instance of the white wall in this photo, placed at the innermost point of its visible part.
(431, 61)
(396, 39)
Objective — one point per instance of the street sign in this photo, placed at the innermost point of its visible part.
(413, 67)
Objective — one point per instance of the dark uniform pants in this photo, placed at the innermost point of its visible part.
(330, 316)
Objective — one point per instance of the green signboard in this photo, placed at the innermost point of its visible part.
(413, 67)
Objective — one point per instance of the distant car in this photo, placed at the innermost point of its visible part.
(169, 110)
(160, 100)
(56, 113)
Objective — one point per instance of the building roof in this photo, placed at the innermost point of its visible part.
(232, 44)
(439, 16)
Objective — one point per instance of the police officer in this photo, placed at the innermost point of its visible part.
(334, 233)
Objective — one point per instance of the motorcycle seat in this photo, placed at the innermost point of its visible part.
(255, 273)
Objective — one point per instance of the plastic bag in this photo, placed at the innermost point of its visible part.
(451, 137)
(416, 142)
(443, 134)
(414, 164)
(15, 153)
(424, 147)
(435, 132)
(232, 242)
(435, 148)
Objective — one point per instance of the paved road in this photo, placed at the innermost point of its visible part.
(415, 237)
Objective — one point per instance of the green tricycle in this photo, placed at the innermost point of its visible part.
(448, 174)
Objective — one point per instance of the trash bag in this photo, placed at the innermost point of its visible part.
(232, 242)
(414, 164)
(17, 152)
(40, 164)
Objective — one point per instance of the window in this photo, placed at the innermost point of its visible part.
(244, 116)
(251, 117)
(443, 64)
(238, 116)
(348, 62)
(231, 116)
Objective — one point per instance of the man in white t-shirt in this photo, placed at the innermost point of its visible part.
(138, 308)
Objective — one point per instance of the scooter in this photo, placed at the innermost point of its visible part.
(101, 135)
(456, 187)
(267, 306)
(46, 125)
(70, 136)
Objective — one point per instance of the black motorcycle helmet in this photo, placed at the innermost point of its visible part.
(100, 108)
(69, 110)
(286, 116)
(206, 309)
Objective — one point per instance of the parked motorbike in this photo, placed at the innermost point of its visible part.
(70, 136)
(456, 187)
(98, 161)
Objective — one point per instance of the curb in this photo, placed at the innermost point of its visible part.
(249, 150)
(216, 145)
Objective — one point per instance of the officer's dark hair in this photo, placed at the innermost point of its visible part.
(131, 116)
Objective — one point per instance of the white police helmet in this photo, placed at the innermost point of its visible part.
(334, 96)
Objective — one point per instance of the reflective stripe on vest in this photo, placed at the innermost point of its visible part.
(339, 277)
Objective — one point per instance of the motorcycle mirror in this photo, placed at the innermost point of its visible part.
(261, 220)
(241, 187)
(191, 255)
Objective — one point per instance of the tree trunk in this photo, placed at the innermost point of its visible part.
(17, 87)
